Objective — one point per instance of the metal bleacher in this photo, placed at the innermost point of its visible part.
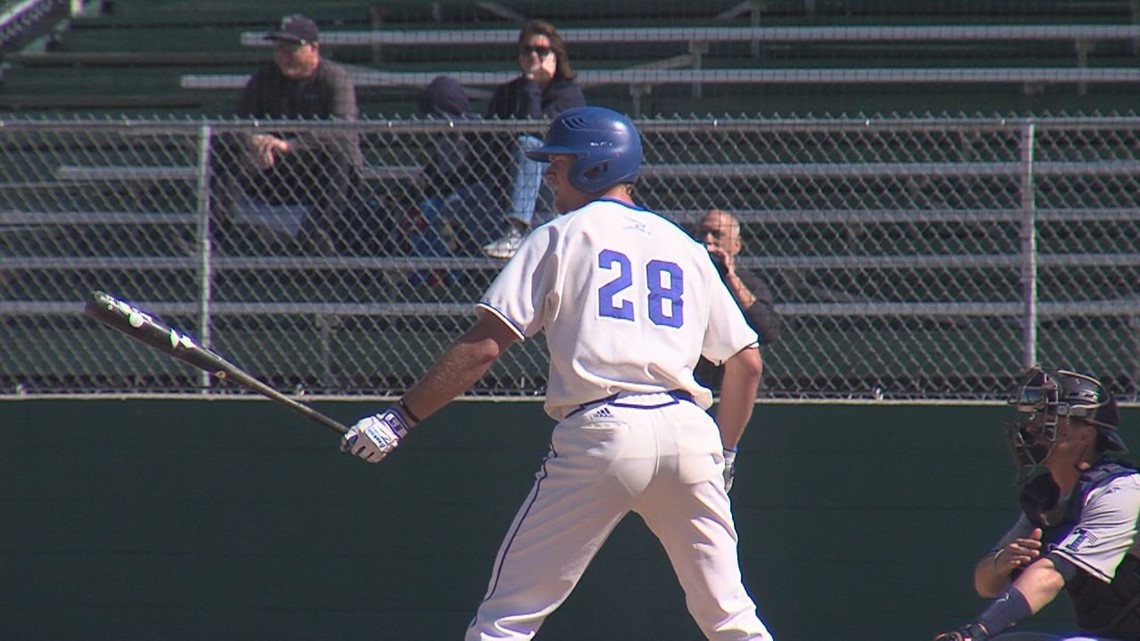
(695, 67)
(775, 57)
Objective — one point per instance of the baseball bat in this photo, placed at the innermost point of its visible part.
(150, 331)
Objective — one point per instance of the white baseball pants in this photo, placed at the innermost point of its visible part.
(652, 454)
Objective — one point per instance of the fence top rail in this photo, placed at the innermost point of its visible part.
(696, 170)
(883, 124)
(870, 33)
(593, 77)
(902, 262)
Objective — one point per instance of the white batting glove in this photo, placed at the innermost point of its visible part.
(729, 468)
(374, 437)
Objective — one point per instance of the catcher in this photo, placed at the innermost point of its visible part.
(1077, 529)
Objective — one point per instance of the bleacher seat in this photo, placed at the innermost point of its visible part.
(135, 57)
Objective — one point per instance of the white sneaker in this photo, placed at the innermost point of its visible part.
(505, 247)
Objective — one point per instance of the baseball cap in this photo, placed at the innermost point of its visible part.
(295, 28)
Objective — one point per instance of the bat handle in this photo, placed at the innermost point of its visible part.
(327, 421)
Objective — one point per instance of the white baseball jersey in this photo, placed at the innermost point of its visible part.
(628, 302)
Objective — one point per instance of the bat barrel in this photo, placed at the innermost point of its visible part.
(147, 329)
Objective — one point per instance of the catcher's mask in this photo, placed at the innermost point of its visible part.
(1041, 397)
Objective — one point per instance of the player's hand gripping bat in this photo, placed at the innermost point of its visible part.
(148, 330)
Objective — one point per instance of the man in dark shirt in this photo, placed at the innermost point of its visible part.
(303, 178)
(720, 233)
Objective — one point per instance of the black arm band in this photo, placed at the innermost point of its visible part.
(1006, 611)
(1063, 566)
(407, 411)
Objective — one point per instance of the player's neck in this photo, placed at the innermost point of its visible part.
(619, 193)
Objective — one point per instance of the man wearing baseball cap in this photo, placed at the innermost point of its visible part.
(293, 167)
(295, 28)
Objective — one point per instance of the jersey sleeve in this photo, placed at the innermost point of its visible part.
(523, 292)
(1106, 530)
(728, 331)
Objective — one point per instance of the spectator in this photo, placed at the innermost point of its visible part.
(544, 89)
(720, 233)
(300, 182)
(458, 200)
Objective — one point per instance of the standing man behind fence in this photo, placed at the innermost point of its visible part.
(296, 181)
(720, 233)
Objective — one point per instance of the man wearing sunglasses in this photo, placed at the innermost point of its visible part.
(1077, 528)
(544, 89)
(310, 173)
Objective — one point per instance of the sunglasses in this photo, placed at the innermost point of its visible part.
(290, 46)
(542, 52)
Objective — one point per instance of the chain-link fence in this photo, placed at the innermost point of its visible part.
(908, 258)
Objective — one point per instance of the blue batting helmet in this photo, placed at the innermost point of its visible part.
(606, 144)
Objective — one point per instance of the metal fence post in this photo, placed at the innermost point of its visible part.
(205, 275)
(1028, 236)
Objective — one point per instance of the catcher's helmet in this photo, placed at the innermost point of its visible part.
(1041, 396)
(606, 144)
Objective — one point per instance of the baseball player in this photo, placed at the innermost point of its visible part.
(628, 303)
(1077, 529)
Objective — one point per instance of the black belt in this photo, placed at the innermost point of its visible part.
(677, 395)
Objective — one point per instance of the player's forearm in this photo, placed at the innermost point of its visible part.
(1040, 583)
(456, 372)
(460, 366)
(738, 395)
(988, 581)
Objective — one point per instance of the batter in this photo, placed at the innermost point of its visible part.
(628, 303)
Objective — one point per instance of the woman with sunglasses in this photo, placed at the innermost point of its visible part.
(544, 89)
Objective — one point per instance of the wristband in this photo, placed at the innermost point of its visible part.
(403, 405)
(1005, 611)
(994, 558)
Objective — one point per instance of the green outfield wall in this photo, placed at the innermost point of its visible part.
(234, 519)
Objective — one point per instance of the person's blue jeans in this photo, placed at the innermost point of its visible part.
(459, 223)
(527, 181)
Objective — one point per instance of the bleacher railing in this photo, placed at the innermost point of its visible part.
(910, 259)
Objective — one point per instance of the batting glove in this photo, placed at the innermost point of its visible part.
(374, 437)
(729, 468)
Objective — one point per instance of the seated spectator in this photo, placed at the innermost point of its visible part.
(720, 233)
(300, 183)
(459, 202)
(544, 89)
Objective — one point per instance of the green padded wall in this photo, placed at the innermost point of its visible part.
(234, 519)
